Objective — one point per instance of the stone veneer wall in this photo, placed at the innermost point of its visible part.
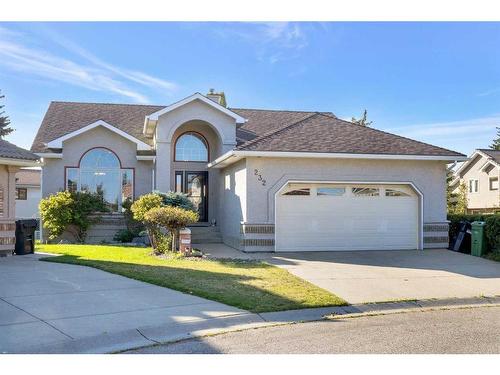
(260, 237)
(436, 235)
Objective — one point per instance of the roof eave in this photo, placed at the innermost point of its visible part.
(20, 162)
(152, 119)
(235, 155)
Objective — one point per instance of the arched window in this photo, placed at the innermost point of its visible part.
(191, 146)
(100, 158)
(100, 172)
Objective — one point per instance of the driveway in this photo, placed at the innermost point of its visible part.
(50, 307)
(377, 276)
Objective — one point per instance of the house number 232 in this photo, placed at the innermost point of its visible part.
(259, 177)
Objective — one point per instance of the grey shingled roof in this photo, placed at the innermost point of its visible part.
(269, 130)
(11, 151)
(326, 134)
(494, 154)
(65, 117)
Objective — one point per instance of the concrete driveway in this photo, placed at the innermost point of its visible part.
(377, 276)
(50, 307)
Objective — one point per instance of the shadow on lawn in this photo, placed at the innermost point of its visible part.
(236, 290)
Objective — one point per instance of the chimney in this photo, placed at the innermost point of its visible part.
(218, 97)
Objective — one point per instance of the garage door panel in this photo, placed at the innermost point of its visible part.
(347, 222)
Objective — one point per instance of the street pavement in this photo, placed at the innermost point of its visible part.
(469, 330)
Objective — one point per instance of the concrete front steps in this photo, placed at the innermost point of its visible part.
(205, 234)
(106, 228)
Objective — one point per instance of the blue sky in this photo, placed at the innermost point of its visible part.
(435, 82)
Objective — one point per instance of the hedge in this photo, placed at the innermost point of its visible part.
(492, 228)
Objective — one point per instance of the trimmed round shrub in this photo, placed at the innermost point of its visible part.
(172, 219)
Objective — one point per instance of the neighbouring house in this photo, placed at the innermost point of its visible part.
(262, 180)
(28, 193)
(480, 174)
(11, 159)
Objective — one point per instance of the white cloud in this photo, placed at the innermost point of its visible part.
(93, 74)
(464, 135)
(273, 41)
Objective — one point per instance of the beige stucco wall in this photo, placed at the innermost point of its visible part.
(233, 202)
(28, 209)
(73, 149)
(484, 198)
(201, 116)
(427, 176)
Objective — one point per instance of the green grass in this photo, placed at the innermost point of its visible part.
(250, 285)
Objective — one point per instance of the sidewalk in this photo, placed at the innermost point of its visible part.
(59, 308)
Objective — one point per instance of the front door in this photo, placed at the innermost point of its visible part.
(194, 185)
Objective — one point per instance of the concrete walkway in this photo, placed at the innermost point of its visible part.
(377, 276)
(59, 308)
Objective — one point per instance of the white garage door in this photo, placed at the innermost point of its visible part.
(337, 217)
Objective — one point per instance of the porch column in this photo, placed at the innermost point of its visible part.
(163, 164)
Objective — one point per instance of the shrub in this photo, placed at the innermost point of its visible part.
(139, 209)
(72, 212)
(172, 219)
(177, 200)
(144, 204)
(124, 235)
(164, 243)
(133, 226)
(492, 231)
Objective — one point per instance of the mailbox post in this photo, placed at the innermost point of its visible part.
(185, 241)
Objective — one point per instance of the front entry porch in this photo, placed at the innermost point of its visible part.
(195, 185)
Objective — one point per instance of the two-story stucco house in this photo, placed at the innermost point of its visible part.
(268, 180)
(11, 159)
(480, 174)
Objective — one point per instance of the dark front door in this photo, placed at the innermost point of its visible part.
(195, 185)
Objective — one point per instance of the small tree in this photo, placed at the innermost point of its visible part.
(495, 145)
(5, 129)
(461, 201)
(72, 212)
(363, 120)
(139, 209)
(451, 196)
(171, 218)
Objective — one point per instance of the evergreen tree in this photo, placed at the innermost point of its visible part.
(363, 120)
(496, 142)
(5, 129)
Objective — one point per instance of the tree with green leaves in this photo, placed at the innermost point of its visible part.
(495, 145)
(363, 120)
(5, 129)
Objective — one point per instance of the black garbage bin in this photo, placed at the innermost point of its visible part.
(25, 236)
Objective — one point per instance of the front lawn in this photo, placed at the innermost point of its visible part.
(250, 285)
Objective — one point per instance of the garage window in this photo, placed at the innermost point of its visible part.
(330, 191)
(302, 191)
(395, 193)
(365, 192)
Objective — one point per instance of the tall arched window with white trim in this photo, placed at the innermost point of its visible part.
(191, 146)
(100, 172)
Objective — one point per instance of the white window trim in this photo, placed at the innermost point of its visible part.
(498, 183)
(474, 185)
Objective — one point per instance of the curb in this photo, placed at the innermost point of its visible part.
(129, 340)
